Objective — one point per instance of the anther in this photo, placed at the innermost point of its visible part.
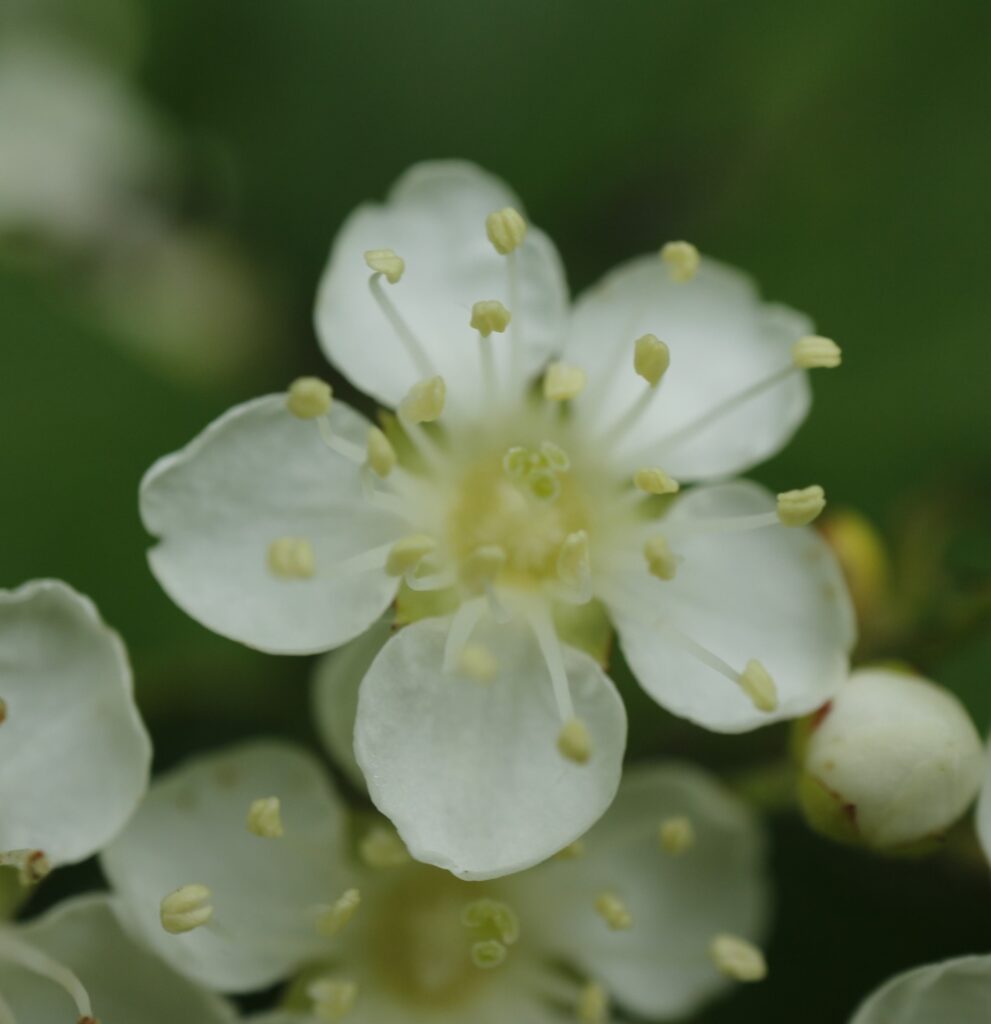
(488, 316)
(381, 455)
(333, 998)
(425, 400)
(506, 230)
(482, 566)
(309, 397)
(676, 835)
(477, 662)
(757, 684)
(33, 866)
(382, 848)
(737, 958)
(651, 358)
(407, 552)
(488, 954)
(493, 915)
(593, 1005)
(265, 818)
(573, 562)
(682, 260)
(816, 353)
(386, 263)
(291, 558)
(574, 742)
(661, 561)
(563, 382)
(801, 507)
(335, 918)
(186, 909)
(655, 481)
(613, 911)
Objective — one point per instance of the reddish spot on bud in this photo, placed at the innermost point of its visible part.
(819, 716)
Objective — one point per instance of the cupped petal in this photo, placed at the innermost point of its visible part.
(775, 595)
(125, 981)
(722, 339)
(658, 968)
(257, 475)
(336, 683)
(192, 830)
(469, 771)
(434, 218)
(983, 814)
(954, 990)
(74, 754)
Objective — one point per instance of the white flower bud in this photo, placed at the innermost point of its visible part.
(892, 761)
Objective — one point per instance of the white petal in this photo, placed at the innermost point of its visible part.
(983, 816)
(722, 339)
(660, 968)
(434, 218)
(336, 682)
(192, 830)
(957, 991)
(776, 595)
(469, 771)
(253, 476)
(74, 754)
(125, 981)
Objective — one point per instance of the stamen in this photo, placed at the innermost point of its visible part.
(15, 951)
(386, 263)
(381, 455)
(186, 909)
(488, 954)
(33, 866)
(335, 918)
(340, 445)
(572, 851)
(574, 742)
(682, 260)
(406, 553)
(546, 635)
(676, 835)
(757, 684)
(291, 558)
(563, 382)
(737, 958)
(265, 818)
(412, 344)
(382, 848)
(309, 397)
(816, 353)
(333, 998)
(506, 230)
(651, 359)
(593, 1005)
(574, 566)
(613, 911)
(478, 662)
(488, 316)
(482, 566)
(799, 508)
(655, 481)
(425, 401)
(661, 561)
(495, 916)
(464, 621)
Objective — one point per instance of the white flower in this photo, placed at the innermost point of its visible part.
(983, 815)
(892, 760)
(74, 754)
(952, 992)
(76, 957)
(404, 941)
(485, 736)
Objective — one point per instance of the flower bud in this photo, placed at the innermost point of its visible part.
(891, 762)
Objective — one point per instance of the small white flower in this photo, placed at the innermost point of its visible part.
(514, 510)
(392, 939)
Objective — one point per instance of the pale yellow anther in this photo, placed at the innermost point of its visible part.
(382, 848)
(563, 382)
(493, 916)
(757, 684)
(309, 397)
(381, 455)
(477, 662)
(482, 566)
(32, 866)
(291, 558)
(407, 552)
(661, 561)
(187, 908)
(425, 400)
(655, 481)
(265, 818)
(613, 911)
(573, 562)
(682, 260)
(490, 316)
(651, 359)
(574, 742)
(506, 229)
(335, 918)
(333, 998)
(737, 958)
(593, 1005)
(816, 353)
(676, 834)
(386, 263)
(572, 851)
(801, 507)
(488, 954)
